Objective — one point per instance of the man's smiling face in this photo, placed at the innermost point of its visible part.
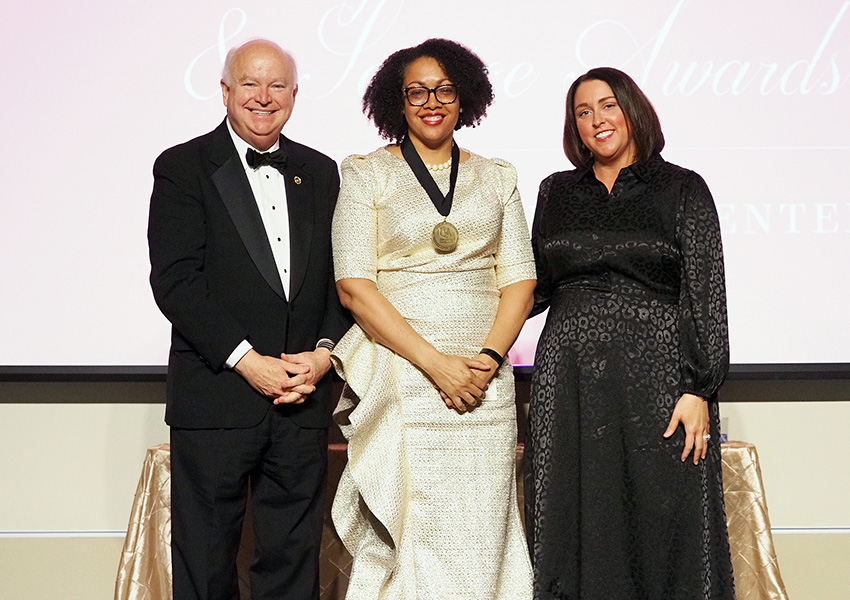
(259, 93)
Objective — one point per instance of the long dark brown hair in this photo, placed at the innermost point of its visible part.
(643, 121)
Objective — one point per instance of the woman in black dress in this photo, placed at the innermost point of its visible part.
(623, 476)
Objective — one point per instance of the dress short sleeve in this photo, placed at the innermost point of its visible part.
(514, 257)
(355, 222)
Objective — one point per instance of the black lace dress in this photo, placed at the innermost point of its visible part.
(637, 316)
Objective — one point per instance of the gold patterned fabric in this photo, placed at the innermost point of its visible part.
(427, 503)
(145, 569)
(753, 556)
(144, 572)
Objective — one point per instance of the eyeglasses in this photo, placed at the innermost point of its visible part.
(418, 95)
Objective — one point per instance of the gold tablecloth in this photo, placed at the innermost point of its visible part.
(145, 569)
(144, 572)
(753, 556)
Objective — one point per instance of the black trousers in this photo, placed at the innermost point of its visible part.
(211, 470)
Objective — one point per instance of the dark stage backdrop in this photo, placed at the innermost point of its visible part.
(752, 95)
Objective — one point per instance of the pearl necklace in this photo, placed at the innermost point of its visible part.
(441, 166)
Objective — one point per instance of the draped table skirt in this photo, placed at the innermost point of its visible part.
(144, 572)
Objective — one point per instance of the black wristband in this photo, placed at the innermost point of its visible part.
(326, 344)
(494, 355)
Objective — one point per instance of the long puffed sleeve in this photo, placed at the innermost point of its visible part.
(704, 351)
(543, 291)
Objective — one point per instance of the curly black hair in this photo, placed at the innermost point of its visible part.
(383, 101)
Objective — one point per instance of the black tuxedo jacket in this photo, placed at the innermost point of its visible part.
(214, 277)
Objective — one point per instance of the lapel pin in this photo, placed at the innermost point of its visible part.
(297, 180)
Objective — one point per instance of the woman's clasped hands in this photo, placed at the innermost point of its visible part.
(462, 381)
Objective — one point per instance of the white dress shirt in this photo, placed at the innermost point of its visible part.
(267, 184)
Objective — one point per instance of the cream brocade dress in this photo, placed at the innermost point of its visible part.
(427, 503)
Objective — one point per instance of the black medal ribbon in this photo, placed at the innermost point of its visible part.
(443, 204)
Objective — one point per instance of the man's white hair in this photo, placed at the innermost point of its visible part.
(231, 54)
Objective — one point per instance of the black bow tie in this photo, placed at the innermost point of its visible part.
(276, 159)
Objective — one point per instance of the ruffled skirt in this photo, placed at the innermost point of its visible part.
(427, 504)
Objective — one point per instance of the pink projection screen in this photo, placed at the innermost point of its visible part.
(752, 95)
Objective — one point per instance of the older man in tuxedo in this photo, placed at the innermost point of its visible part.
(241, 266)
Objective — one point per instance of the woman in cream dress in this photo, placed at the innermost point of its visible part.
(427, 504)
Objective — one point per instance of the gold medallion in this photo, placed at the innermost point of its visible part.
(444, 237)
